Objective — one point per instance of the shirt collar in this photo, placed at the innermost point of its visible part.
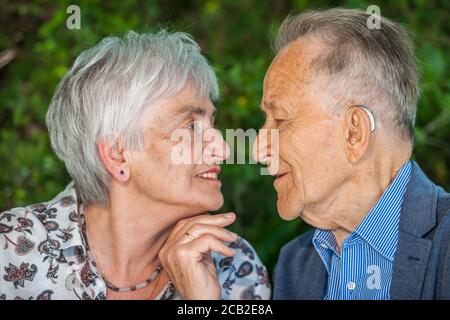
(380, 226)
(325, 244)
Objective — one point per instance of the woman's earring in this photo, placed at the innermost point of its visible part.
(122, 172)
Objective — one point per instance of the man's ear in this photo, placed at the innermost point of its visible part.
(357, 133)
(113, 159)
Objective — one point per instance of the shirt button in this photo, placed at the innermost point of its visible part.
(351, 285)
(323, 245)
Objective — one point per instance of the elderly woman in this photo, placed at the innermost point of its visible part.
(133, 224)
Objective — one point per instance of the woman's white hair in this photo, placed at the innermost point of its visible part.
(106, 91)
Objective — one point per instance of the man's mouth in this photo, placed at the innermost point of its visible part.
(280, 175)
(211, 173)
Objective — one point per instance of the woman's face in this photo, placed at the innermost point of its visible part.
(180, 163)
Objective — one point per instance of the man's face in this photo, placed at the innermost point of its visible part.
(172, 169)
(308, 150)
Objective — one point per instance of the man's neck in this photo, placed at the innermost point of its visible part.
(349, 205)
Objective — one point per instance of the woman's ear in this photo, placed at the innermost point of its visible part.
(114, 160)
(357, 133)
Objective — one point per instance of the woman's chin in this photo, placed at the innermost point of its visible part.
(213, 203)
(217, 205)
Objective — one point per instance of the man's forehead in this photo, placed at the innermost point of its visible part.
(298, 55)
(290, 70)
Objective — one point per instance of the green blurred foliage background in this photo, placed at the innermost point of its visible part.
(36, 49)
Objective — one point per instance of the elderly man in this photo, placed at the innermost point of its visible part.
(343, 99)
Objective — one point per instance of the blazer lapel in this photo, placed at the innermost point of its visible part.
(409, 267)
(313, 280)
(418, 217)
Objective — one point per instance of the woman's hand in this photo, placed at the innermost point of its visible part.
(186, 254)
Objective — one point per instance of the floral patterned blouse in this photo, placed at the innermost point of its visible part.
(43, 256)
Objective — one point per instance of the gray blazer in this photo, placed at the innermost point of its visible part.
(422, 261)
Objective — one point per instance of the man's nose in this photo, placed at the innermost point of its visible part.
(261, 147)
(216, 150)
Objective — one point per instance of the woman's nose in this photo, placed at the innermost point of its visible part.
(217, 150)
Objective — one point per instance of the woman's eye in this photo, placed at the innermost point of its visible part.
(191, 126)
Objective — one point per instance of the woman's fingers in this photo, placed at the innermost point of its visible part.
(206, 243)
(183, 254)
(199, 229)
(220, 220)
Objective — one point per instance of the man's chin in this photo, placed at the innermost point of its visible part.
(287, 212)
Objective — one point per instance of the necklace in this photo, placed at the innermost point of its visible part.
(111, 286)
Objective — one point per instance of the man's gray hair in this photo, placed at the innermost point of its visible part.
(374, 66)
(105, 93)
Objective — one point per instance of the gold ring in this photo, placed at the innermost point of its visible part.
(190, 236)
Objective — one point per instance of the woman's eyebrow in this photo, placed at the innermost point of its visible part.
(195, 110)
(188, 110)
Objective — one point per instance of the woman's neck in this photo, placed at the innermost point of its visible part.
(126, 237)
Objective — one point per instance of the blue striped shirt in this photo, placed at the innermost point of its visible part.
(363, 268)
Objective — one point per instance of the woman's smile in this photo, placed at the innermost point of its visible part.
(210, 175)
